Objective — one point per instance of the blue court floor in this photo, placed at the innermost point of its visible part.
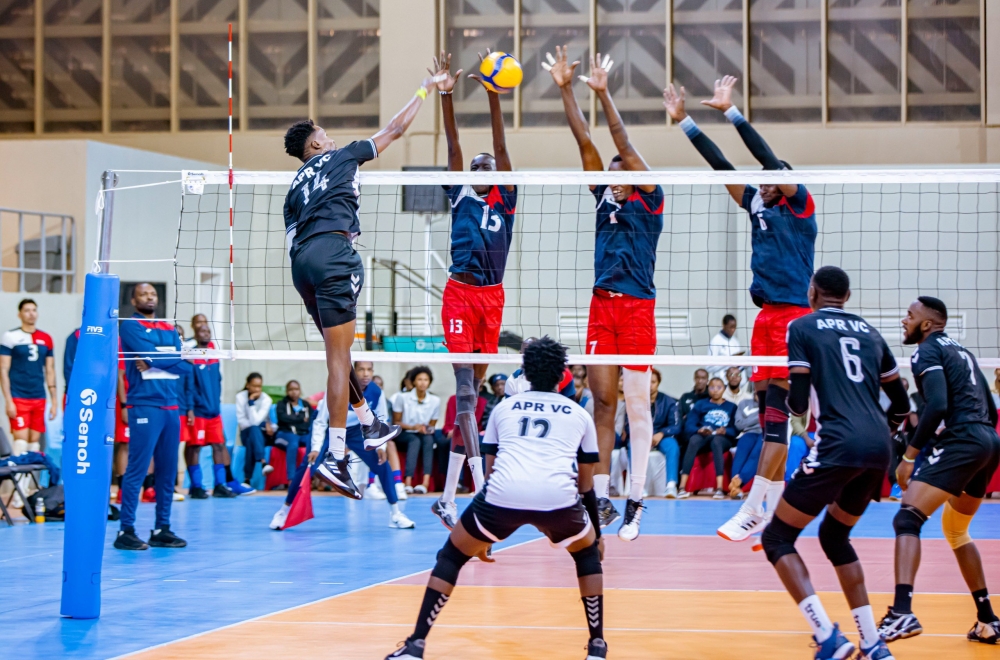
(235, 568)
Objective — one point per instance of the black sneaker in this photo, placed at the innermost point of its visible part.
(198, 494)
(895, 626)
(127, 540)
(336, 474)
(606, 512)
(984, 633)
(379, 433)
(222, 490)
(164, 538)
(411, 649)
(597, 649)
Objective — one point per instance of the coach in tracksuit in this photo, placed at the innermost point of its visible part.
(154, 394)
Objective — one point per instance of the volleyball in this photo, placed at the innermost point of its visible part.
(501, 72)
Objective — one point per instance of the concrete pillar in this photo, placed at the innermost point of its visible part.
(991, 79)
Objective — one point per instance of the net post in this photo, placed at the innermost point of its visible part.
(108, 182)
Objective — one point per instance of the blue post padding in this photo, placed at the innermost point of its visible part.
(89, 425)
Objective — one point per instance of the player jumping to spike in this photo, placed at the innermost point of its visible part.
(783, 243)
(955, 472)
(482, 224)
(629, 223)
(322, 219)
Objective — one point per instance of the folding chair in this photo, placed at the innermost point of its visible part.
(11, 472)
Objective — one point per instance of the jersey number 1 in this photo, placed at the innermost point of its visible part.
(972, 367)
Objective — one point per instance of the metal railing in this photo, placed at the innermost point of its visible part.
(45, 262)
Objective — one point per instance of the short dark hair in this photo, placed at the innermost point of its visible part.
(544, 364)
(26, 301)
(936, 304)
(288, 384)
(297, 136)
(617, 159)
(656, 372)
(139, 284)
(728, 318)
(701, 369)
(716, 378)
(252, 376)
(416, 371)
(832, 281)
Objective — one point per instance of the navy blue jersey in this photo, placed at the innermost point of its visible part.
(147, 340)
(28, 352)
(206, 388)
(69, 356)
(847, 360)
(967, 388)
(713, 415)
(625, 245)
(324, 195)
(481, 230)
(783, 243)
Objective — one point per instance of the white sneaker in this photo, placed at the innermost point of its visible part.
(742, 526)
(178, 497)
(408, 489)
(419, 490)
(671, 491)
(400, 491)
(375, 491)
(629, 531)
(267, 469)
(399, 520)
(278, 521)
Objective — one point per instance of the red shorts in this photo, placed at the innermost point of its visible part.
(121, 430)
(621, 324)
(770, 337)
(207, 432)
(30, 415)
(471, 316)
(187, 432)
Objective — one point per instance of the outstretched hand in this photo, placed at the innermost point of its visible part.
(560, 67)
(598, 80)
(441, 71)
(476, 75)
(722, 100)
(673, 101)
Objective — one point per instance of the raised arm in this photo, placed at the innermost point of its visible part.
(398, 124)
(562, 73)
(442, 68)
(500, 154)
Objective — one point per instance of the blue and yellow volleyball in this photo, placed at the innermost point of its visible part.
(501, 72)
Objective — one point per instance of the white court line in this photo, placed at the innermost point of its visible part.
(44, 554)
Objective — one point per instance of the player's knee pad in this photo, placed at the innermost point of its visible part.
(450, 561)
(465, 390)
(908, 521)
(777, 404)
(779, 539)
(955, 526)
(588, 561)
(835, 539)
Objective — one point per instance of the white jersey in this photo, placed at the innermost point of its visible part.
(539, 438)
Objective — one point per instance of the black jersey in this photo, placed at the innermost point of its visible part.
(324, 195)
(967, 390)
(847, 359)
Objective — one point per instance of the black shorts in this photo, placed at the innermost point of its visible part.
(328, 274)
(491, 524)
(962, 460)
(851, 488)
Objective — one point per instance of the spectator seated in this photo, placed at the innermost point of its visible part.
(279, 476)
(703, 473)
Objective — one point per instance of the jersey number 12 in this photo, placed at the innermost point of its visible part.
(542, 424)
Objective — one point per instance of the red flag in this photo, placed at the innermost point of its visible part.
(302, 506)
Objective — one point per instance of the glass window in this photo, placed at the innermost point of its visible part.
(785, 60)
(708, 44)
(634, 33)
(73, 67)
(545, 24)
(17, 66)
(277, 63)
(347, 63)
(473, 26)
(943, 75)
(864, 60)
(204, 64)
(140, 66)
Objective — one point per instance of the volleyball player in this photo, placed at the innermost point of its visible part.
(629, 223)
(783, 243)
(27, 369)
(482, 224)
(322, 219)
(541, 449)
(954, 473)
(837, 362)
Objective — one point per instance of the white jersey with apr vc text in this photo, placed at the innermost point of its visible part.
(538, 439)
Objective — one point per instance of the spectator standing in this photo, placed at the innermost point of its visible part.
(687, 400)
(416, 412)
(498, 386)
(711, 424)
(724, 343)
(27, 369)
(253, 410)
(295, 417)
(735, 391)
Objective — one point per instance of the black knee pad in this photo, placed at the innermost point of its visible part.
(777, 399)
(450, 561)
(779, 539)
(761, 396)
(908, 521)
(588, 561)
(835, 539)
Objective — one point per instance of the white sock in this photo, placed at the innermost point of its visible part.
(812, 610)
(393, 509)
(456, 462)
(640, 420)
(602, 485)
(775, 489)
(20, 447)
(35, 446)
(478, 477)
(284, 508)
(755, 498)
(338, 443)
(364, 413)
(865, 620)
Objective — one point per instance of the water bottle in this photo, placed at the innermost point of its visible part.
(39, 509)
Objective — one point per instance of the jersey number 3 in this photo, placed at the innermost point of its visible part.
(32, 352)
(542, 424)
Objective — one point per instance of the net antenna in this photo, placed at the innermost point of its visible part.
(232, 303)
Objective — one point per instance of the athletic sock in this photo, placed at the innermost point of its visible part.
(772, 496)
(229, 474)
(371, 477)
(394, 508)
(865, 621)
(904, 599)
(397, 476)
(478, 477)
(194, 473)
(593, 606)
(20, 447)
(983, 606)
(812, 610)
(219, 472)
(602, 485)
(434, 601)
(755, 498)
(456, 462)
(364, 413)
(338, 443)
(35, 446)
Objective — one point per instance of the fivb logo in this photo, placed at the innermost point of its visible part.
(95, 330)
(88, 398)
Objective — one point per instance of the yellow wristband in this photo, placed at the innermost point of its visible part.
(422, 93)
(908, 460)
